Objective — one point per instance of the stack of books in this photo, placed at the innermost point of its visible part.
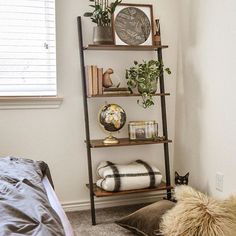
(94, 80)
(94, 85)
(115, 90)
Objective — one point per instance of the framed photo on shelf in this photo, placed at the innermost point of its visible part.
(133, 24)
(143, 130)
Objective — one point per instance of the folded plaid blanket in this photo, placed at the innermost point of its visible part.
(135, 175)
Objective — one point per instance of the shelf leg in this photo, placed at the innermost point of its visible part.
(86, 117)
(164, 125)
(167, 169)
(92, 207)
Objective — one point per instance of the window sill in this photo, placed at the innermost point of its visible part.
(11, 103)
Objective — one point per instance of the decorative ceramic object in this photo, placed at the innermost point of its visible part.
(106, 78)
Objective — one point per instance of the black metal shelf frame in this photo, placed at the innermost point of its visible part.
(86, 117)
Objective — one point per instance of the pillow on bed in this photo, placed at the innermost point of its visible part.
(145, 221)
(197, 214)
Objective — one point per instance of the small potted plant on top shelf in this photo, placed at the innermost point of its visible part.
(102, 16)
(144, 76)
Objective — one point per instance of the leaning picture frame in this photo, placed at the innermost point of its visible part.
(143, 130)
(133, 25)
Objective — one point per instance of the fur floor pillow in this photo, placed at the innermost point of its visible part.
(196, 214)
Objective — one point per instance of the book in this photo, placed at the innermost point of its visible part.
(117, 92)
(115, 89)
(89, 80)
(100, 75)
(95, 79)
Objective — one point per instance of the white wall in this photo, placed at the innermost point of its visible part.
(205, 98)
(57, 136)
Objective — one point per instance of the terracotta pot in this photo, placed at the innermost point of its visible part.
(102, 35)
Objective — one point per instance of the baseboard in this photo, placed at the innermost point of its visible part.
(111, 202)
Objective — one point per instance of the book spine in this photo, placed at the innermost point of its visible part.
(115, 89)
(95, 79)
(89, 80)
(116, 92)
(100, 75)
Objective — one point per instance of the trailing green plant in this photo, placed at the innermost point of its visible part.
(102, 12)
(144, 77)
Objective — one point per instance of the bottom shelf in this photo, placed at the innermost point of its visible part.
(98, 192)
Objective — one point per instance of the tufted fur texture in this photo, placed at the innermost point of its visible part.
(196, 214)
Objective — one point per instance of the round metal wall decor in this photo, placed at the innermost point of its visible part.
(132, 26)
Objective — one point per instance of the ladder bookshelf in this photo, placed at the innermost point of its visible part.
(93, 189)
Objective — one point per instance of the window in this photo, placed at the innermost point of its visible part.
(27, 48)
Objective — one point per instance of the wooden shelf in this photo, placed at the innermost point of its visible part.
(123, 47)
(98, 192)
(125, 95)
(98, 143)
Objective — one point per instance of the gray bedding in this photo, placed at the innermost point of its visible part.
(24, 206)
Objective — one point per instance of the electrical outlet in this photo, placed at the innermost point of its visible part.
(219, 181)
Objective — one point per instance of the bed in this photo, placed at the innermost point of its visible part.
(28, 203)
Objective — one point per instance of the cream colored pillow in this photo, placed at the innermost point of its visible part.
(196, 214)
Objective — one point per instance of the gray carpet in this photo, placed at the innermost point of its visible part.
(81, 221)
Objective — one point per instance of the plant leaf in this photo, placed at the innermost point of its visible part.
(88, 14)
(168, 71)
(131, 91)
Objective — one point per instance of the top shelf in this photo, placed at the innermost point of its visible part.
(123, 47)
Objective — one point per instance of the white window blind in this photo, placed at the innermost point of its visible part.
(27, 48)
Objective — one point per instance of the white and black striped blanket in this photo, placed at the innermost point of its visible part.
(135, 175)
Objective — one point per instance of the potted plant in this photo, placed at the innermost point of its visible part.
(144, 77)
(102, 16)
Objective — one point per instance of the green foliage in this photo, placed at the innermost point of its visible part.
(102, 12)
(144, 77)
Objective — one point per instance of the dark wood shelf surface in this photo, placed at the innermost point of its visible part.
(98, 192)
(98, 143)
(123, 47)
(125, 95)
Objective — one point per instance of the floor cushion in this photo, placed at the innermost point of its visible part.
(145, 221)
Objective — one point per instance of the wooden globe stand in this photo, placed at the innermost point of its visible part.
(110, 140)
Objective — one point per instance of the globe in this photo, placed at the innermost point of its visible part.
(112, 118)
